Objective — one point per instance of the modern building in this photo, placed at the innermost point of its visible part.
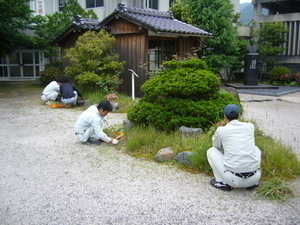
(288, 12)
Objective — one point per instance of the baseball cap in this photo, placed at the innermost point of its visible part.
(232, 110)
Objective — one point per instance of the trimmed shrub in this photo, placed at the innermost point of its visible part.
(281, 74)
(87, 80)
(181, 96)
(297, 77)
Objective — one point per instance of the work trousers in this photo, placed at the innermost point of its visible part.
(49, 97)
(72, 100)
(90, 132)
(215, 159)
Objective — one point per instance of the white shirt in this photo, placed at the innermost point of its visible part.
(53, 86)
(237, 141)
(92, 117)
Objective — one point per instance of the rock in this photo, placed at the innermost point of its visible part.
(85, 103)
(115, 105)
(184, 157)
(165, 154)
(127, 125)
(190, 130)
(234, 92)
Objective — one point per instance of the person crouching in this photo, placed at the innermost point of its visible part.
(90, 124)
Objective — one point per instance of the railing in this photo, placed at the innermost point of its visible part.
(132, 82)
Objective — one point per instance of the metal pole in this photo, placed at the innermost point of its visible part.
(132, 82)
(132, 86)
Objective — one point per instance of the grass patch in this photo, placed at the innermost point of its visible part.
(279, 163)
(276, 189)
(124, 102)
(146, 142)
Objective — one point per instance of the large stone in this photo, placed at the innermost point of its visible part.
(85, 103)
(190, 130)
(127, 125)
(115, 105)
(165, 154)
(234, 92)
(184, 157)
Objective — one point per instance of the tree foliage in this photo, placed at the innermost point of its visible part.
(15, 18)
(185, 94)
(93, 62)
(51, 26)
(270, 38)
(218, 18)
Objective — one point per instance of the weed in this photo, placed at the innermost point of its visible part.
(275, 189)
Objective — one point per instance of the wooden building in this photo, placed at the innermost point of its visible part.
(144, 39)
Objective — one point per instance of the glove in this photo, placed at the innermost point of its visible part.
(114, 141)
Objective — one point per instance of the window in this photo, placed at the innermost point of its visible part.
(153, 4)
(94, 3)
(159, 51)
(62, 4)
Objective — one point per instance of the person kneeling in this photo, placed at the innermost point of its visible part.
(239, 165)
(90, 124)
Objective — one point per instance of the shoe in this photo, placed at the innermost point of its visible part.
(221, 185)
(252, 187)
(93, 141)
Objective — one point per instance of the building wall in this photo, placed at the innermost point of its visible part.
(282, 11)
(132, 46)
(43, 7)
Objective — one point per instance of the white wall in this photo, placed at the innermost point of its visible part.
(43, 7)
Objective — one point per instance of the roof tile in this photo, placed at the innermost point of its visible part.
(157, 20)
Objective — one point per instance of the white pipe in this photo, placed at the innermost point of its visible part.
(132, 86)
(132, 82)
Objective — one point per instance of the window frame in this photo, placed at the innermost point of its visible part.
(152, 4)
(96, 3)
(158, 53)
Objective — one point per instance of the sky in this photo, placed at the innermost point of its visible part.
(244, 1)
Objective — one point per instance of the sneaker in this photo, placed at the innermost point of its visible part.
(93, 141)
(252, 187)
(221, 185)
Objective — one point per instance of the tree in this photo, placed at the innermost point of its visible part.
(50, 26)
(270, 38)
(218, 18)
(14, 19)
(93, 61)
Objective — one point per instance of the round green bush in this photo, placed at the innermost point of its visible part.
(183, 83)
(181, 97)
(281, 73)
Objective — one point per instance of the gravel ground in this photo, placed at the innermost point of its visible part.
(47, 177)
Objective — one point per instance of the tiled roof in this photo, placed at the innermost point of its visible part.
(79, 24)
(157, 21)
(86, 24)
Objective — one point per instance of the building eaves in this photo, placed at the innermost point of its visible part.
(80, 24)
(157, 21)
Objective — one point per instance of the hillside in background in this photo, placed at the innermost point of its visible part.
(246, 10)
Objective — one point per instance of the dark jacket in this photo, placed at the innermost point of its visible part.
(67, 91)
